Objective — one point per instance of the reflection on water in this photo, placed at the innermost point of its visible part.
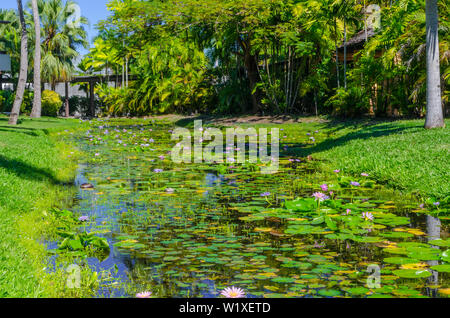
(434, 233)
(192, 230)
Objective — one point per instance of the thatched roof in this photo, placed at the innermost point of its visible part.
(359, 39)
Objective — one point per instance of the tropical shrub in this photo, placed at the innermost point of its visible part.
(78, 104)
(27, 103)
(350, 102)
(170, 77)
(51, 103)
(7, 100)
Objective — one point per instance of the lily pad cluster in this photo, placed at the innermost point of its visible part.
(191, 230)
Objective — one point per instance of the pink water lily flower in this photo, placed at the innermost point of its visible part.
(320, 196)
(367, 216)
(146, 294)
(83, 218)
(233, 292)
(324, 187)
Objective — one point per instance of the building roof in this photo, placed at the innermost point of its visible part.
(359, 38)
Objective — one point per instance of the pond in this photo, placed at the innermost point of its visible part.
(191, 230)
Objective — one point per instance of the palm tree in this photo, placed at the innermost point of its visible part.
(61, 40)
(36, 111)
(10, 39)
(435, 115)
(23, 68)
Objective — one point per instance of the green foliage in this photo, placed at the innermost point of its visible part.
(61, 41)
(351, 102)
(51, 103)
(6, 101)
(170, 78)
(269, 56)
(78, 104)
(27, 103)
(10, 39)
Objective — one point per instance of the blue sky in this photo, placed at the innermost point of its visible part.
(93, 10)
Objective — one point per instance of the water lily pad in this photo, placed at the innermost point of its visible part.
(329, 292)
(400, 260)
(441, 268)
(412, 273)
(283, 280)
(356, 291)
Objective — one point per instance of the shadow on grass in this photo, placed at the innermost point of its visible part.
(365, 129)
(21, 130)
(4, 126)
(26, 171)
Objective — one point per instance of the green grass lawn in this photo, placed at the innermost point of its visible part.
(401, 154)
(33, 167)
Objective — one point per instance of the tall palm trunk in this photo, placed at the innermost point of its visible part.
(337, 53)
(435, 115)
(36, 111)
(345, 54)
(23, 68)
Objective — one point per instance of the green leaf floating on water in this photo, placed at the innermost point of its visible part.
(366, 239)
(251, 218)
(301, 205)
(303, 229)
(412, 273)
(330, 223)
(283, 280)
(445, 256)
(441, 268)
(400, 260)
(396, 235)
(440, 242)
(357, 291)
(329, 292)
(75, 245)
(391, 219)
(412, 244)
(423, 253)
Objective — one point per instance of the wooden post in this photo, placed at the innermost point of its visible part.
(91, 98)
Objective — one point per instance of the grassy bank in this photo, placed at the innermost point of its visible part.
(33, 168)
(400, 154)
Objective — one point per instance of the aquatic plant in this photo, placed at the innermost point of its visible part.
(233, 292)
